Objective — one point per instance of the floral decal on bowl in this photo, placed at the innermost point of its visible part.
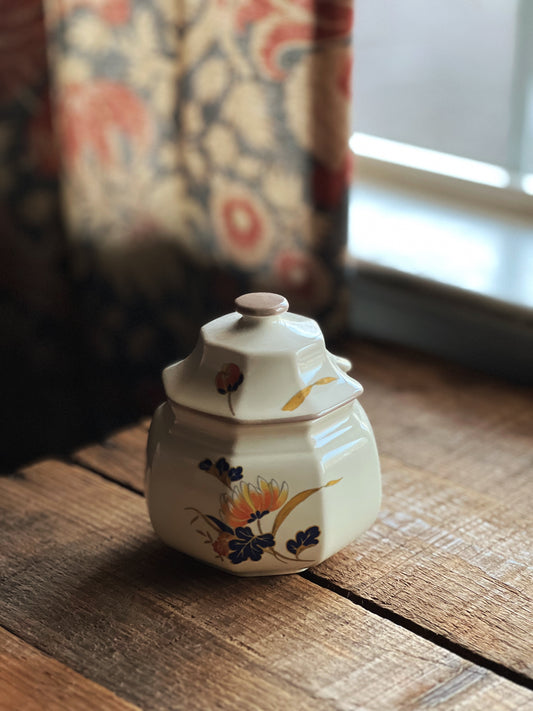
(222, 470)
(227, 381)
(244, 529)
(303, 540)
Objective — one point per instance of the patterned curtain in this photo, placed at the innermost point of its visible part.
(161, 157)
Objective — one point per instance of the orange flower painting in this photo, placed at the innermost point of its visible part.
(238, 534)
(248, 502)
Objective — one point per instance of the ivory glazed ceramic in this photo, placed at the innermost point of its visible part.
(261, 461)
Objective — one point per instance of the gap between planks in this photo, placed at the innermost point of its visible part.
(180, 617)
(427, 634)
(449, 552)
(371, 606)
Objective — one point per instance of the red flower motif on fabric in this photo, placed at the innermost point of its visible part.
(303, 278)
(303, 23)
(281, 39)
(22, 45)
(114, 12)
(91, 114)
(252, 11)
(242, 222)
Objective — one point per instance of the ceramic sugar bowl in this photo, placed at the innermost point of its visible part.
(262, 461)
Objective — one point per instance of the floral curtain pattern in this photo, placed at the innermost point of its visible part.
(197, 149)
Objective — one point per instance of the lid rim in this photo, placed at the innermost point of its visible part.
(267, 358)
(270, 421)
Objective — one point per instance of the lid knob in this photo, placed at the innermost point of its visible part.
(261, 303)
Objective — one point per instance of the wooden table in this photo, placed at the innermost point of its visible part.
(431, 608)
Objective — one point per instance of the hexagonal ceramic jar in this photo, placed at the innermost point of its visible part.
(262, 461)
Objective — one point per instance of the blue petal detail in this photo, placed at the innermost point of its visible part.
(205, 465)
(248, 546)
(257, 515)
(235, 473)
(304, 539)
(222, 466)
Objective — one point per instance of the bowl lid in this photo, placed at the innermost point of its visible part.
(261, 364)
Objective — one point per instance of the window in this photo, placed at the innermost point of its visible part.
(453, 76)
(443, 137)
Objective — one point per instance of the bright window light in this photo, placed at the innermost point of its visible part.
(527, 183)
(451, 245)
(383, 149)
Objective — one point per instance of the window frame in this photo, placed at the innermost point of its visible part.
(394, 304)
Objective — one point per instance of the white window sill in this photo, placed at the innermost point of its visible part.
(447, 276)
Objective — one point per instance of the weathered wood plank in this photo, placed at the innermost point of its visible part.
(33, 681)
(454, 561)
(453, 547)
(467, 427)
(122, 455)
(84, 578)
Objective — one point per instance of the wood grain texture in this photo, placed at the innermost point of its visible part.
(463, 426)
(33, 681)
(453, 547)
(449, 559)
(84, 578)
(121, 456)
